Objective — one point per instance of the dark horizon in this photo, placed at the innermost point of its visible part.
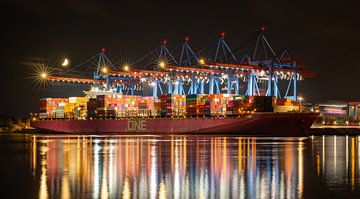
(323, 35)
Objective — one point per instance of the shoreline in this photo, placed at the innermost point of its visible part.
(334, 130)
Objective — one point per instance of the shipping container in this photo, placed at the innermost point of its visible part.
(49, 106)
(286, 108)
(172, 105)
(168, 105)
(263, 103)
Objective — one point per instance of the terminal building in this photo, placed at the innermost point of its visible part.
(338, 112)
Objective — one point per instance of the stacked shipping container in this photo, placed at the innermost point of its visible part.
(285, 105)
(238, 105)
(52, 107)
(172, 105)
(118, 105)
(63, 107)
(195, 104)
(76, 108)
(91, 108)
(263, 103)
(123, 105)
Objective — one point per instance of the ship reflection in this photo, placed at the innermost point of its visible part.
(177, 167)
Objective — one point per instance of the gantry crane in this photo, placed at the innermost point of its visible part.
(190, 73)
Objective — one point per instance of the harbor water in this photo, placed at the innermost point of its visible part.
(62, 166)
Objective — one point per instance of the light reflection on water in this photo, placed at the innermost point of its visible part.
(173, 167)
(336, 159)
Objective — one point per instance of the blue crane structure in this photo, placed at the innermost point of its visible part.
(213, 70)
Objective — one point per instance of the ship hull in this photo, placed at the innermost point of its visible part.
(259, 124)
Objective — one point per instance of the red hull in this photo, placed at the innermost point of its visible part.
(265, 124)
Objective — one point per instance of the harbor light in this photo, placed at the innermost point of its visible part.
(43, 75)
(162, 64)
(301, 99)
(126, 68)
(104, 70)
(202, 61)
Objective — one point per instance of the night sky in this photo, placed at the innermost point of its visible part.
(324, 35)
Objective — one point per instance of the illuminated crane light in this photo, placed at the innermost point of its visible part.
(162, 64)
(202, 61)
(43, 75)
(126, 68)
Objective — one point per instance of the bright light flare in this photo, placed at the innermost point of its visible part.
(202, 61)
(126, 62)
(43, 75)
(162, 64)
(40, 73)
(104, 70)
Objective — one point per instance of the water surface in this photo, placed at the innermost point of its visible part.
(58, 166)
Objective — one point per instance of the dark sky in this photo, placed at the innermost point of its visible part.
(325, 35)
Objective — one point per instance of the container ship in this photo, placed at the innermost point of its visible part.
(186, 93)
(174, 114)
